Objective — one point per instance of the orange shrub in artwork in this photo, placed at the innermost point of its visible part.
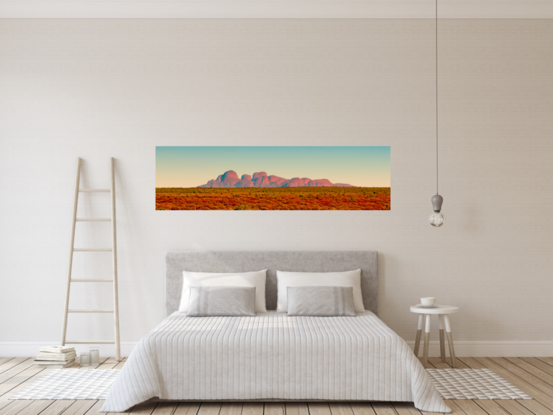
(292, 198)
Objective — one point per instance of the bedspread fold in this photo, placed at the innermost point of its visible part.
(273, 356)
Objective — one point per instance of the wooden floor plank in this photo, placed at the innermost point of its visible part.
(128, 411)
(185, 408)
(491, 407)
(14, 407)
(431, 413)
(145, 408)
(546, 377)
(523, 374)
(535, 406)
(95, 409)
(165, 408)
(459, 364)
(4, 360)
(15, 362)
(80, 407)
(455, 410)
(470, 407)
(212, 408)
(548, 360)
(471, 363)
(534, 361)
(19, 382)
(437, 363)
(520, 383)
(337, 408)
(14, 371)
(382, 408)
(296, 409)
(362, 408)
(404, 408)
(57, 407)
(318, 408)
(7, 388)
(235, 408)
(270, 409)
(36, 407)
(513, 407)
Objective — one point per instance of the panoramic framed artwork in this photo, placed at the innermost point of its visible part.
(273, 178)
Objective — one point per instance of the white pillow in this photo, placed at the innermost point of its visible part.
(233, 279)
(319, 279)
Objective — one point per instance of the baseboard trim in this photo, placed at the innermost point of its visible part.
(462, 348)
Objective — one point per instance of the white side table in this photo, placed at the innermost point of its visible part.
(442, 312)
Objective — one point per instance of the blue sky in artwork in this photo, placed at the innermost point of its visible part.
(191, 166)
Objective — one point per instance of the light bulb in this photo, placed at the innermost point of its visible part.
(437, 219)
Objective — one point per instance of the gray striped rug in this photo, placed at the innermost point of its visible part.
(473, 384)
(70, 384)
(95, 384)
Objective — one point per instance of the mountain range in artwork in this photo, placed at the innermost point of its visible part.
(260, 179)
(273, 178)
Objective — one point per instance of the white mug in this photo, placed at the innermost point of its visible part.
(428, 301)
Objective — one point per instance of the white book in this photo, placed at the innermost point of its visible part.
(56, 357)
(57, 349)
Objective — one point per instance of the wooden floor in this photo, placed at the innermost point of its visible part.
(532, 375)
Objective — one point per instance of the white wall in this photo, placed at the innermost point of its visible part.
(102, 88)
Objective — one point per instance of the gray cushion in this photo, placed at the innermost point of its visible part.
(221, 301)
(320, 301)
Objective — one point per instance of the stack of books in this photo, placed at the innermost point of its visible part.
(62, 356)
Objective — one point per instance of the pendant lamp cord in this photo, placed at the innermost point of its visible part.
(437, 97)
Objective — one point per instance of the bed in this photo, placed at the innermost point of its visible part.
(273, 357)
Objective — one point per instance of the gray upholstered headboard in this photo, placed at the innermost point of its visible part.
(302, 261)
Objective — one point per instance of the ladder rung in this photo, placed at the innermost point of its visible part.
(89, 280)
(89, 342)
(93, 220)
(93, 190)
(92, 249)
(90, 311)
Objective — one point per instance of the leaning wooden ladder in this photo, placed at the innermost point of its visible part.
(113, 251)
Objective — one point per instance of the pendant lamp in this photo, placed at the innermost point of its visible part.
(437, 218)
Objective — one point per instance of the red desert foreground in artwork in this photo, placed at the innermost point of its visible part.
(262, 192)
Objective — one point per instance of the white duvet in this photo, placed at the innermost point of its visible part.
(273, 356)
